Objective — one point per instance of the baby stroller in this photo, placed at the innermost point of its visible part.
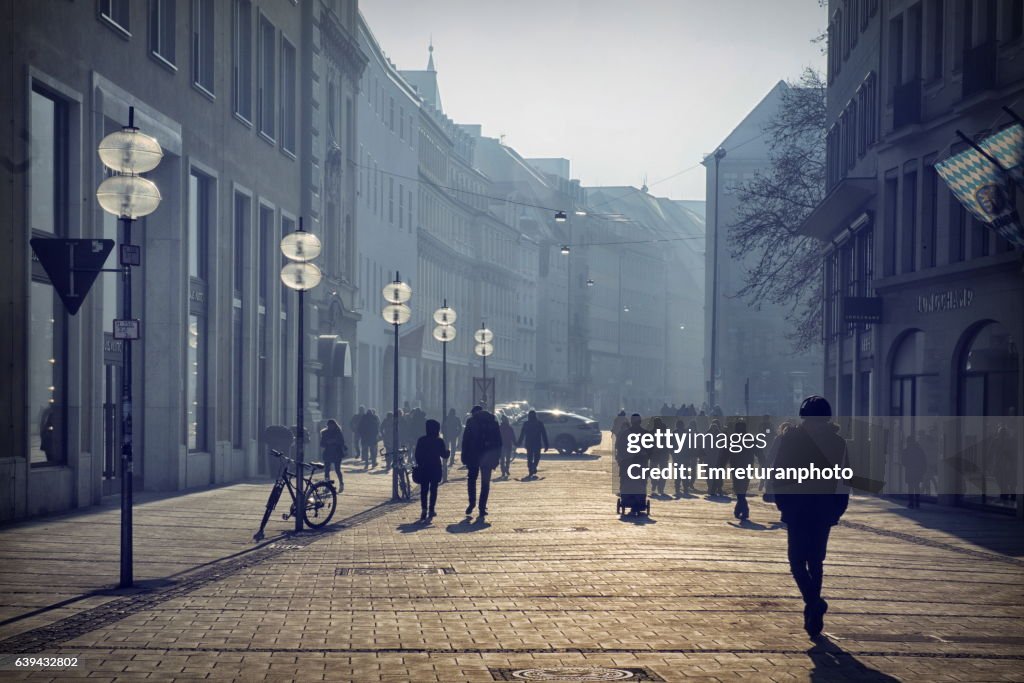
(636, 504)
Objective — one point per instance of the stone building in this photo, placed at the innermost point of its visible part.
(946, 292)
(222, 87)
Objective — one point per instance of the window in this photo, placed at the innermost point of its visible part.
(263, 258)
(391, 200)
(401, 206)
(198, 224)
(288, 95)
(265, 92)
(957, 229)
(202, 44)
(936, 35)
(242, 70)
(1014, 20)
(401, 123)
(195, 386)
(408, 222)
(891, 225)
(116, 14)
(913, 47)
(391, 114)
(930, 215)
(49, 142)
(908, 225)
(161, 29)
(895, 53)
(241, 230)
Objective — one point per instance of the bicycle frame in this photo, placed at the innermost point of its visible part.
(284, 481)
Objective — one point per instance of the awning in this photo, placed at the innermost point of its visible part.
(839, 208)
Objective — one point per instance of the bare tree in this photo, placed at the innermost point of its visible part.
(773, 203)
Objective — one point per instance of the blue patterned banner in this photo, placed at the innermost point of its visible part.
(983, 188)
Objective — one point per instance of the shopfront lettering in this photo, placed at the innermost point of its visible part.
(196, 296)
(949, 300)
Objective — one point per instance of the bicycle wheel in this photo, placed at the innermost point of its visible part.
(321, 501)
(404, 486)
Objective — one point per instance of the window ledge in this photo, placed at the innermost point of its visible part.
(204, 92)
(121, 31)
(163, 61)
(288, 153)
(267, 139)
(242, 120)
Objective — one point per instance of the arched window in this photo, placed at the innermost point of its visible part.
(989, 367)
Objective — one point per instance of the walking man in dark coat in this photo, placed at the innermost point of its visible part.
(810, 509)
(481, 449)
(534, 436)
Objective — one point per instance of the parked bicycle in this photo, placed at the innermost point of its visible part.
(403, 465)
(321, 497)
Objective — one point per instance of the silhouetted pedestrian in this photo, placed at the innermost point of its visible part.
(332, 443)
(508, 446)
(632, 491)
(431, 453)
(534, 437)
(353, 425)
(659, 459)
(481, 449)
(369, 432)
(810, 509)
(744, 457)
(914, 461)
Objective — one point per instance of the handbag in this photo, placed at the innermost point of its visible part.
(417, 475)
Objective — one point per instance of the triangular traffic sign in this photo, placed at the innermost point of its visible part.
(72, 265)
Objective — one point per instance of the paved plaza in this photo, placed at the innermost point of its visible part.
(553, 586)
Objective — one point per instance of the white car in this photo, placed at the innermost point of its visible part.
(567, 432)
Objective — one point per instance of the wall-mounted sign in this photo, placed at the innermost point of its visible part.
(950, 300)
(126, 328)
(862, 309)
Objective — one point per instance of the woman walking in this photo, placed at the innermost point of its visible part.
(430, 456)
(332, 441)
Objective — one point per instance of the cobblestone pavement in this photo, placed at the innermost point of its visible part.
(553, 582)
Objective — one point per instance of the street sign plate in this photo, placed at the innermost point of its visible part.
(126, 328)
(72, 265)
(131, 255)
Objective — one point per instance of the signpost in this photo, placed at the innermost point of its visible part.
(72, 265)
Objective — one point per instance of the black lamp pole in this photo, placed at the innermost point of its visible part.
(127, 459)
(300, 412)
(394, 415)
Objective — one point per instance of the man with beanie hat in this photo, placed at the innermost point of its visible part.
(811, 508)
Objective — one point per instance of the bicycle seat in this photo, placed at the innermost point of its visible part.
(313, 465)
(276, 454)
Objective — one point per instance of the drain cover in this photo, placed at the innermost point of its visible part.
(377, 571)
(575, 673)
(553, 529)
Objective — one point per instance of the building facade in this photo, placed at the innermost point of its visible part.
(945, 339)
(753, 366)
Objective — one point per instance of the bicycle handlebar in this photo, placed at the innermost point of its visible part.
(314, 466)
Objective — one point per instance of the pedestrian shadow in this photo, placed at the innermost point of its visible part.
(639, 521)
(468, 526)
(833, 663)
(754, 526)
(532, 477)
(718, 498)
(413, 527)
(686, 496)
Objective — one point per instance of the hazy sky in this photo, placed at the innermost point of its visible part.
(619, 88)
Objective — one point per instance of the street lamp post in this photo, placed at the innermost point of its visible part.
(128, 196)
(444, 333)
(300, 247)
(483, 348)
(713, 352)
(396, 312)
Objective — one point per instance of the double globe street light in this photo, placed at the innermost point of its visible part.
(396, 312)
(484, 348)
(444, 332)
(300, 247)
(128, 196)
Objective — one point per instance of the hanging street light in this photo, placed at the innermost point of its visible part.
(564, 250)
(299, 248)
(560, 217)
(128, 196)
(396, 313)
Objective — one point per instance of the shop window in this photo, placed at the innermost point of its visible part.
(200, 219)
(989, 370)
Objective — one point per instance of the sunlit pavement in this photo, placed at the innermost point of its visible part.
(552, 579)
